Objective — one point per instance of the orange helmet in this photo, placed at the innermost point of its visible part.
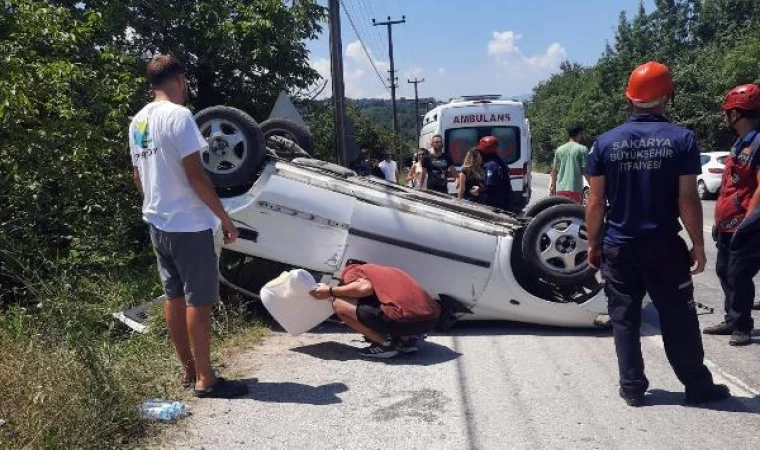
(649, 82)
(488, 144)
(745, 97)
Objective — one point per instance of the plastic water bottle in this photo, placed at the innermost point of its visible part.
(163, 410)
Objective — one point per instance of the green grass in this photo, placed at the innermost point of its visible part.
(73, 377)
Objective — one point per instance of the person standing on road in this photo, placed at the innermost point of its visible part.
(182, 209)
(471, 178)
(389, 167)
(362, 165)
(375, 169)
(568, 167)
(646, 169)
(383, 303)
(415, 171)
(437, 168)
(497, 186)
(737, 216)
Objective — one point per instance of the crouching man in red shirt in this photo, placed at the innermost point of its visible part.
(384, 304)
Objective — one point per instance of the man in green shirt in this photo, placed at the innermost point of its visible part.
(569, 166)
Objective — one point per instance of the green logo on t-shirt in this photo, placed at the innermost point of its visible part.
(142, 135)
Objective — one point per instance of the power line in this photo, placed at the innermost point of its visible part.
(415, 82)
(380, 38)
(389, 23)
(376, 45)
(358, 36)
(410, 44)
(356, 12)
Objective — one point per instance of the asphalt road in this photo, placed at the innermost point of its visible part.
(481, 386)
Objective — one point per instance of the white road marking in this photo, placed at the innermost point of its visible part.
(741, 391)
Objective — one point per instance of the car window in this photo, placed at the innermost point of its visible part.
(460, 140)
(722, 160)
(705, 159)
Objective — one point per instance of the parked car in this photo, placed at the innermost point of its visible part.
(708, 182)
(297, 212)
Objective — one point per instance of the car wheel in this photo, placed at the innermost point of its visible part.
(284, 148)
(546, 203)
(289, 130)
(236, 146)
(555, 245)
(585, 196)
(704, 194)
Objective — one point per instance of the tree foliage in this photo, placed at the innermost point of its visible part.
(368, 134)
(239, 53)
(72, 74)
(710, 45)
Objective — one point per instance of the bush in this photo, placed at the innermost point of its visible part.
(73, 377)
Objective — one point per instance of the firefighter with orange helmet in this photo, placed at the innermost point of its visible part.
(737, 216)
(643, 179)
(497, 186)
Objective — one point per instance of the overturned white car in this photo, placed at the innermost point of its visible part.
(305, 213)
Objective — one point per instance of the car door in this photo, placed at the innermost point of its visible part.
(295, 223)
(443, 257)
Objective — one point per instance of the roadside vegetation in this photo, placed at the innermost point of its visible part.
(73, 377)
(710, 45)
(73, 249)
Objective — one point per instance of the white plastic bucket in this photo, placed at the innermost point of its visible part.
(287, 299)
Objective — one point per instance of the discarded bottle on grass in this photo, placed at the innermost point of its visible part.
(163, 410)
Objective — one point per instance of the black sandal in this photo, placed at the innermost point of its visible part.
(223, 389)
(188, 383)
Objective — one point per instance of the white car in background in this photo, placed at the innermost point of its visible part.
(708, 182)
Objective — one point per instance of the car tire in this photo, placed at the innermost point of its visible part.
(546, 203)
(555, 245)
(704, 194)
(284, 148)
(289, 130)
(236, 148)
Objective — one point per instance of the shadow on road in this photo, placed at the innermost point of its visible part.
(295, 392)
(429, 354)
(503, 328)
(486, 328)
(659, 397)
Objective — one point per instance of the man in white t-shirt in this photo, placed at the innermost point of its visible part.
(389, 167)
(182, 209)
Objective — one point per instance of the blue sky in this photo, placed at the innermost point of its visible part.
(469, 47)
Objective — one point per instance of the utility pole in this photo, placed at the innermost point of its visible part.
(415, 82)
(389, 23)
(338, 89)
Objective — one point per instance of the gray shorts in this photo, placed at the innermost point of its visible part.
(187, 265)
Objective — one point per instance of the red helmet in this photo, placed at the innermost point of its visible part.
(488, 144)
(649, 82)
(745, 97)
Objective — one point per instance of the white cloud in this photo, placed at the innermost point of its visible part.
(322, 66)
(550, 59)
(519, 70)
(441, 70)
(355, 52)
(359, 77)
(503, 42)
(414, 72)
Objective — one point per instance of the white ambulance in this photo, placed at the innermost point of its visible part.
(463, 121)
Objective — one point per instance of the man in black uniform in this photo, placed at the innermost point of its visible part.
(646, 169)
(437, 168)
